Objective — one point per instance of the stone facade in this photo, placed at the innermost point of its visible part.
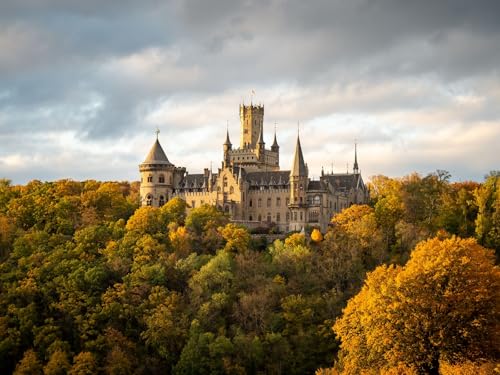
(250, 186)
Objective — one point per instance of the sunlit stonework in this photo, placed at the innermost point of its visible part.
(250, 186)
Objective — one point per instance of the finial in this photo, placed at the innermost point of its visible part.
(298, 128)
(157, 132)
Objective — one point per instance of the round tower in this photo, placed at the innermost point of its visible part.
(157, 177)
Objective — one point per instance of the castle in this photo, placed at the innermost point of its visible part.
(250, 186)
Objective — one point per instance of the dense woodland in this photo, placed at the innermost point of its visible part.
(90, 283)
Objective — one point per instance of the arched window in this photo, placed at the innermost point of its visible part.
(161, 179)
(150, 178)
(161, 202)
(149, 199)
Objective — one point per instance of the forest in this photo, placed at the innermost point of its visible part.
(91, 283)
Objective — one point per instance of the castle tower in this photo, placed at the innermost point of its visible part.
(227, 147)
(157, 177)
(252, 123)
(298, 188)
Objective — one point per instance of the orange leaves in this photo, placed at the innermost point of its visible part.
(441, 305)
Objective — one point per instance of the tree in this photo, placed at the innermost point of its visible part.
(58, 364)
(146, 220)
(29, 365)
(488, 218)
(174, 211)
(84, 364)
(441, 306)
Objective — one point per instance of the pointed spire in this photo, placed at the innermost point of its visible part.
(260, 141)
(355, 168)
(228, 141)
(299, 167)
(275, 143)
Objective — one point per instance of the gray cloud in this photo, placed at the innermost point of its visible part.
(387, 72)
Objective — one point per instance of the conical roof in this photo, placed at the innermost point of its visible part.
(157, 155)
(228, 142)
(298, 167)
(260, 141)
(275, 143)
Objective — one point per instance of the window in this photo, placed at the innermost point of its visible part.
(268, 202)
(161, 180)
(259, 203)
(193, 203)
(150, 178)
(317, 199)
(295, 216)
(149, 200)
(278, 202)
(278, 217)
(260, 218)
(301, 217)
(269, 217)
(287, 201)
(162, 201)
(250, 218)
(225, 181)
(287, 217)
(231, 190)
(250, 203)
(300, 200)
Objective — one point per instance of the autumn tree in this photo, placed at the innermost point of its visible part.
(441, 306)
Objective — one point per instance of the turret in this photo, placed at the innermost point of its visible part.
(157, 177)
(261, 145)
(275, 147)
(298, 189)
(227, 146)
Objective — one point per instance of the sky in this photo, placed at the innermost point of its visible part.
(85, 84)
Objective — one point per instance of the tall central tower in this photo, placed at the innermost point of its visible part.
(252, 122)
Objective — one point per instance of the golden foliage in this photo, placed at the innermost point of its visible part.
(441, 305)
(316, 235)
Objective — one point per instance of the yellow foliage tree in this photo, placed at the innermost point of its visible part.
(29, 365)
(316, 235)
(441, 306)
(237, 238)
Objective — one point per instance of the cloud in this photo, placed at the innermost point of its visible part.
(416, 83)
